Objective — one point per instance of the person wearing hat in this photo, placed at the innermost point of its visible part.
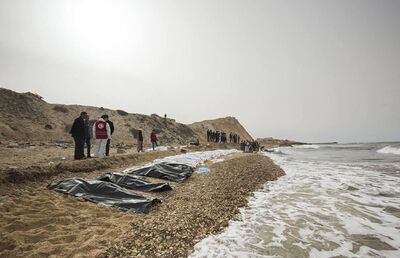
(101, 133)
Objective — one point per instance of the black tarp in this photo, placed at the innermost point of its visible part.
(170, 171)
(134, 182)
(104, 193)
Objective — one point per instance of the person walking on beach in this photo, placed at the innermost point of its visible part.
(140, 141)
(247, 146)
(153, 138)
(87, 136)
(111, 124)
(78, 133)
(102, 133)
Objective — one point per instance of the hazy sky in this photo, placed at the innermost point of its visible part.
(306, 70)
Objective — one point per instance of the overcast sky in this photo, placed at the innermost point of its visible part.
(304, 70)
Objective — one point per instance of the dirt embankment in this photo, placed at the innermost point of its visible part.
(227, 125)
(271, 142)
(40, 172)
(202, 206)
(34, 163)
(27, 117)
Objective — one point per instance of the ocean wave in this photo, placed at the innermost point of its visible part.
(319, 209)
(307, 146)
(389, 150)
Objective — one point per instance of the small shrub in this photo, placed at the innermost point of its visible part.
(61, 109)
(122, 113)
(48, 127)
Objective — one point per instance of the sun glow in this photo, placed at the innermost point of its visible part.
(103, 29)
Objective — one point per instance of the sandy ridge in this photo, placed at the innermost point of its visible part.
(40, 172)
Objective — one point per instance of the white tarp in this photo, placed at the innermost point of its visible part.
(192, 158)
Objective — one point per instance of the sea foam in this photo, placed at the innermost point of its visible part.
(307, 146)
(389, 150)
(320, 209)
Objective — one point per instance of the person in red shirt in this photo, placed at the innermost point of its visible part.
(102, 133)
(153, 138)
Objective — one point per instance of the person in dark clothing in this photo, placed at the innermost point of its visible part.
(87, 135)
(111, 124)
(217, 136)
(78, 133)
(140, 141)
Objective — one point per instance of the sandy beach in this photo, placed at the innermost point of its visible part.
(37, 222)
(199, 129)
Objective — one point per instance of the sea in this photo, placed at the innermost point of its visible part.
(336, 200)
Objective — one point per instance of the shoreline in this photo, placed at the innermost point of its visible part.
(202, 206)
(37, 221)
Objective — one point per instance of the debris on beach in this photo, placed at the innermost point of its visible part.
(105, 193)
(134, 182)
(170, 171)
(203, 170)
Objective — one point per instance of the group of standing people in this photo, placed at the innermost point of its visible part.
(233, 137)
(249, 146)
(153, 139)
(217, 136)
(82, 133)
(245, 145)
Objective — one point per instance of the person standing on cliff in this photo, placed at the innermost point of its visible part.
(102, 133)
(140, 141)
(88, 135)
(153, 139)
(78, 133)
(111, 124)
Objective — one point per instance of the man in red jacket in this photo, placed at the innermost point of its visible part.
(102, 133)
(153, 138)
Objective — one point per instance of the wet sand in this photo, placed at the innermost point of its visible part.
(37, 222)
